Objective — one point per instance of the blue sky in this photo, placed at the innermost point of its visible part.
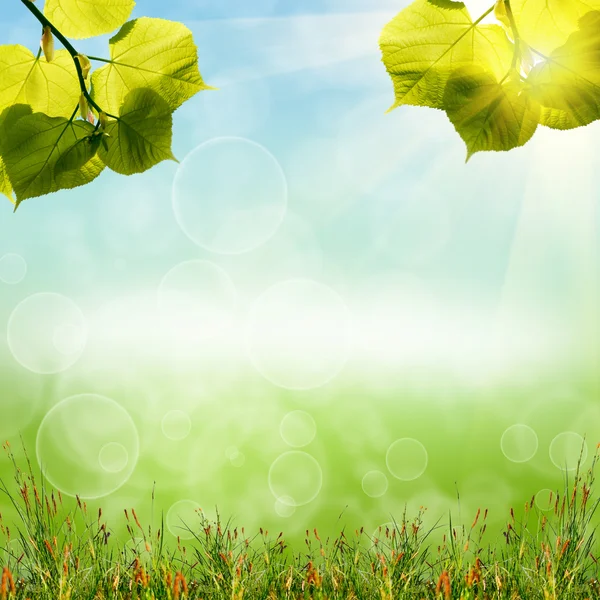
(375, 194)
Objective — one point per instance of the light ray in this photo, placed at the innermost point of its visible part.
(554, 269)
(280, 45)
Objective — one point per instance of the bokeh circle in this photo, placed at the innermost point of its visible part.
(229, 195)
(176, 425)
(284, 507)
(544, 499)
(238, 459)
(375, 484)
(519, 443)
(406, 459)
(183, 516)
(295, 478)
(565, 450)
(47, 333)
(79, 438)
(299, 334)
(298, 429)
(113, 457)
(13, 269)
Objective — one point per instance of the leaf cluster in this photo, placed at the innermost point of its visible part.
(537, 64)
(63, 122)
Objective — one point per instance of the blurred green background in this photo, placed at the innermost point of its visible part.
(321, 313)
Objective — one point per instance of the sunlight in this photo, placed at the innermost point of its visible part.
(303, 341)
(477, 8)
(553, 263)
(281, 45)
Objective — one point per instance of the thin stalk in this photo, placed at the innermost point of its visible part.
(516, 36)
(104, 60)
(45, 22)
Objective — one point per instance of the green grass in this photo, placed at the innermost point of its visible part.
(57, 550)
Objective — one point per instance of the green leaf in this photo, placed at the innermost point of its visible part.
(141, 137)
(5, 186)
(567, 84)
(8, 117)
(429, 40)
(149, 53)
(501, 13)
(487, 114)
(32, 154)
(79, 154)
(79, 19)
(546, 24)
(51, 88)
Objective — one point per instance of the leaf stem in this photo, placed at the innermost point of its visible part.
(45, 22)
(481, 18)
(105, 60)
(515, 31)
(39, 15)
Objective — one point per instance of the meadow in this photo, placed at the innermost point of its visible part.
(59, 548)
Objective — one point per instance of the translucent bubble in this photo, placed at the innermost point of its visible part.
(81, 436)
(406, 459)
(519, 443)
(176, 425)
(296, 478)
(544, 499)
(113, 457)
(229, 195)
(298, 428)
(237, 460)
(285, 507)
(198, 298)
(13, 269)
(47, 333)
(375, 484)
(182, 517)
(235, 457)
(299, 334)
(565, 450)
(557, 410)
(231, 451)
